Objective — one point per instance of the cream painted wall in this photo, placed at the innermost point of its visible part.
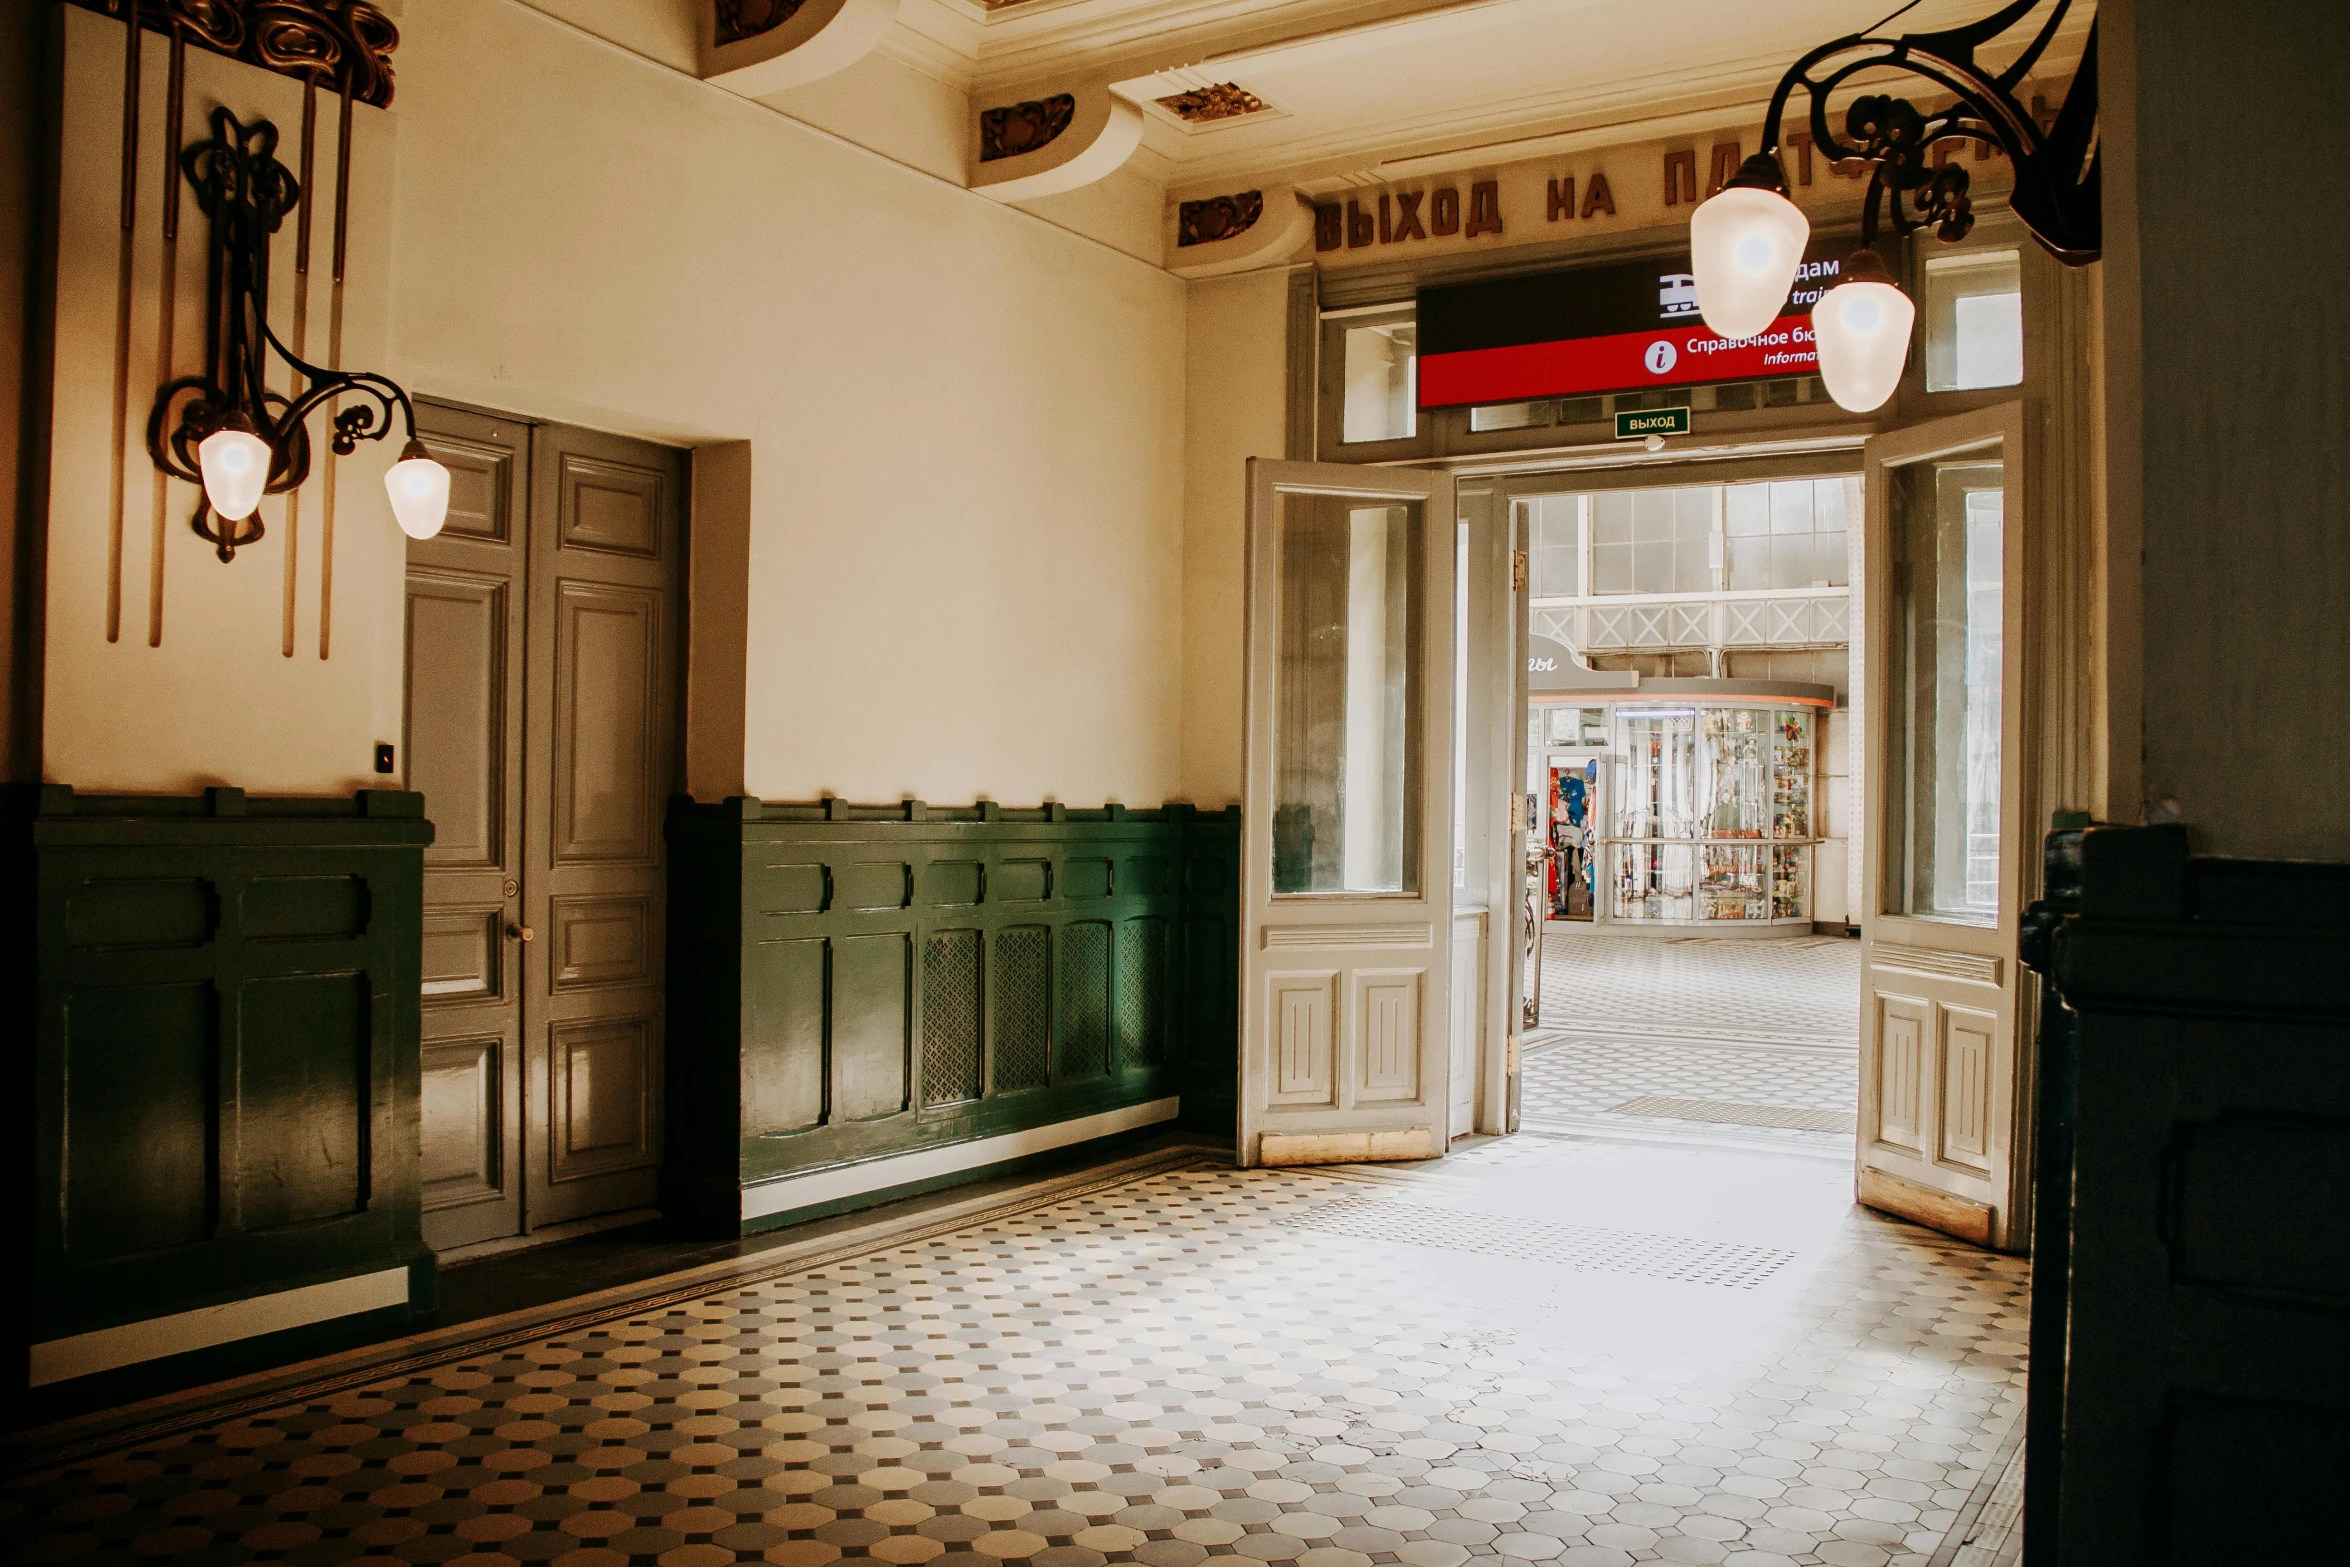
(2228, 415)
(966, 425)
(663, 30)
(886, 105)
(222, 699)
(1124, 209)
(1237, 374)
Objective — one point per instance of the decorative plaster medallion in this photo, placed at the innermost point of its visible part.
(1217, 217)
(1018, 128)
(1224, 101)
(741, 19)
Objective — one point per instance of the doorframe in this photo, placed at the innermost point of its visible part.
(1488, 848)
(679, 633)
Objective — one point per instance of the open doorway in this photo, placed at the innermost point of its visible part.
(1690, 780)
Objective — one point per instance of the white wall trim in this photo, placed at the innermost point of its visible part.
(872, 1175)
(105, 1349)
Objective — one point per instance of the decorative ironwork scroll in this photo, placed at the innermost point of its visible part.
(1218, 217)
(344, 44)
(247, 193)
(1018, 128)
(741, 19)
(1224, 101)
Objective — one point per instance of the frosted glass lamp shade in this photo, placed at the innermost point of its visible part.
(419, 488)
(1862, 330)
(1744, 246)
(235, 465)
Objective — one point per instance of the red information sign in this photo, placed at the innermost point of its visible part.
(1682, 355)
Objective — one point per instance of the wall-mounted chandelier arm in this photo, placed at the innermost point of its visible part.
(2056, 183)
(366, 421)
(260, 438)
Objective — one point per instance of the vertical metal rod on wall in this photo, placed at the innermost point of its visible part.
(167, 313)
(334, 361)
(301, 346)
(122, 319)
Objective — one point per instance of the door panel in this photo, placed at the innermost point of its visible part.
(1940, 1053)
(464, 754)
(1347, 891)
(605, 532)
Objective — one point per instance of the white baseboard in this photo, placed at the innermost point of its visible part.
(786, 1193)
(106, 1349)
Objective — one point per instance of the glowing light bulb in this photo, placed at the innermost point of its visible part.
(1861, 327)
(235, 465)
(419, 488)
(1745, 244)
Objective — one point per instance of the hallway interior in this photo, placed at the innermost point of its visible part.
(1542, 1349)
(1715, 1041)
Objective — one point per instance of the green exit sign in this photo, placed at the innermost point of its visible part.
(1652, 421)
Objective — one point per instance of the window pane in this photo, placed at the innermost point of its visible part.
(1947, 604)
(1652, 567)
(1974, 321)
(1558, 547)
(1652, 516)
(1750, 562)
(1508, 416)
(1746, 509)
(1611, 568)
(1382, 382)
(1827, 504)
(1831, 560)
(1791, 508)
(1346, 718)
(1611, 517)
(1791, 563)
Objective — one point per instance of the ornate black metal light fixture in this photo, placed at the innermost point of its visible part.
(1747, 240)
(226, 429)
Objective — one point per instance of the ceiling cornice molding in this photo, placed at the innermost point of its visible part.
(920, 51)
(1126, 41)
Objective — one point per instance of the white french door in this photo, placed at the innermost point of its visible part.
(1347, 905)
(1945, 837)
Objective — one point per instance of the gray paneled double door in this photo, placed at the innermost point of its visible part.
(542, 631)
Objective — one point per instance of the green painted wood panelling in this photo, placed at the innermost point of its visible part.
(213, 1048)
(847, 982)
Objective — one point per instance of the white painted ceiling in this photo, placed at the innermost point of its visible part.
(1354, 84)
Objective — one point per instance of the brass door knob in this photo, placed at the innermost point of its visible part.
(519, 932)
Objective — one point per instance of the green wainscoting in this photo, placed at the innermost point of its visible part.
(212, 1054)
(849, 983)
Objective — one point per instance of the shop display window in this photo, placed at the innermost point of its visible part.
(1712, 817)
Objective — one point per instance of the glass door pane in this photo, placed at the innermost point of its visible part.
(1346, 697)
(1945, 622)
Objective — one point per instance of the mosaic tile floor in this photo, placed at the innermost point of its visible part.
(1661, 1354)
(1575, 1083)
(1761, 1023)
(1802, 990)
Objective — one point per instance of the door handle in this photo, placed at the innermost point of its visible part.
(519, 933)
